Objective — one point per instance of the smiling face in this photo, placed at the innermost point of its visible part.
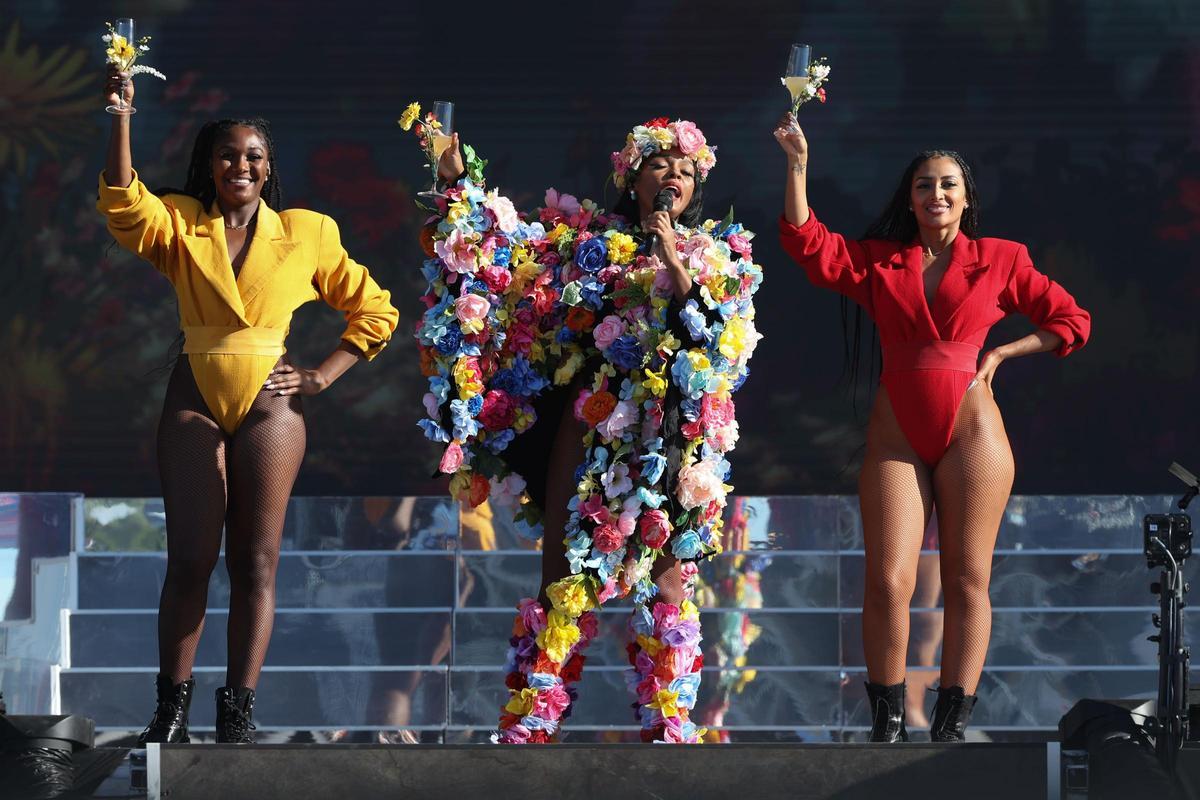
(939, 194)
(668, 168)
(239, 166)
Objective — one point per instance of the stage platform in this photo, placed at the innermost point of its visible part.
(760, 771)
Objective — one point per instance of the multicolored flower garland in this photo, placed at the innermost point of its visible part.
(658, 135)
(517, 303)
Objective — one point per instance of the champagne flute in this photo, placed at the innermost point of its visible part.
(439, 140)
(123, 28)
(796, 76)
(443, 112)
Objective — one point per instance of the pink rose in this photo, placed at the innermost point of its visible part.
(457, 252)
(656, 529)
(550, 703)
(499, 410)
(688, 137)
(533, 616)
(666, 615)
(622, 416)
(452, 459)
(627, 522)
(504, 212)
(589, 625)
(608, 539)
(496, 278)
(608, 331)
(471, 307)
(739, 244)
(699, 486)
(593, 509)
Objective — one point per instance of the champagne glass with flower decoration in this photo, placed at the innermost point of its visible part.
(122, 52)
(434, 135)
(804, 77)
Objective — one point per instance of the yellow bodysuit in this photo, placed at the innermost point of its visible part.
(234, 329)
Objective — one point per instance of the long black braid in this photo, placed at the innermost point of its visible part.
(897, 223)
(199, 184)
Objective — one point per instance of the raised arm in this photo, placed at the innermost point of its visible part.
(137, 219)
(829, 259)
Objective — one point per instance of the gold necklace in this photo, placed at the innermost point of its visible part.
(238, 227)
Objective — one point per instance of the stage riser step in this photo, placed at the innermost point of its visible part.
(472, 697)
(810, 772)
(495, 580)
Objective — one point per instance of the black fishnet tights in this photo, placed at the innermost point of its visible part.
(970, 485)
(241, 483)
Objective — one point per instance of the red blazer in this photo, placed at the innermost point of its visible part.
(987, 280)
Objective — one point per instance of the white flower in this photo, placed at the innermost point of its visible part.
(142, 69)
(106, 37)
(820, 71)
(810, 90)
(144, 48)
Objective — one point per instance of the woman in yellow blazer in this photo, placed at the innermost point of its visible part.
(232, 436)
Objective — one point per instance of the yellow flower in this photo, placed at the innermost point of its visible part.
(688, 611)
(666, 702)
(467, 381)
(559, 636)
(569, 596)
(656, 383)
(649, 644)
(410, 115)
(557, 233)
(733, 338)
(621, 248)
(564, 374)
(746, 677)
(521, 703)
(662, 137)
(668, 344)
(460, 484)
(121, 52)
(699, 359)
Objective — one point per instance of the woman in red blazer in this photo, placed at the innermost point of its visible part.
(935, 437)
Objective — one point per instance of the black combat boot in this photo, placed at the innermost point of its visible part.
(951, 713)
(234, 707)
(887, 712)
(170, 721)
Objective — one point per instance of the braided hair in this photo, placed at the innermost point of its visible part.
(199, 182)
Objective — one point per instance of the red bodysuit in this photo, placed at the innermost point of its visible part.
(930, 355)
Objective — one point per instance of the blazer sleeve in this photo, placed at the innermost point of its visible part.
(1045, 302)
(141, 222)
(829, 259)
(347, 286)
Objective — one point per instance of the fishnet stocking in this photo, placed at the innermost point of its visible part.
(264, 458)
(972, 483)
(210, 481)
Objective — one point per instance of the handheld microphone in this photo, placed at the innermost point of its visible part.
(662, 202)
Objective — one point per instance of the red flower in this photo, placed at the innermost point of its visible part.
(821, 95)
(632, 651)
(658, 122)
(572, 671)
(499, 410)
(538, 737)
(608, 538)
(516, 681)
(698, 664)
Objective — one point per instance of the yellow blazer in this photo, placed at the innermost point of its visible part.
(234, 329)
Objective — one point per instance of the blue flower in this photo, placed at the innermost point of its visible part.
(440, 388)
(475, 404)
(592, 255)
(625, 352)
(564, 335)
(642, 620)
(649, 497)
(433, 431)
(655, 463)
(544, 680)
(686, 545)
(687, 686)
(695, 322)
(502, 256)
(449, 342)
(497, 442)
(519, 380)
(465, 425)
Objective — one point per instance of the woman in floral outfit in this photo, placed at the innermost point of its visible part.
(587, 371)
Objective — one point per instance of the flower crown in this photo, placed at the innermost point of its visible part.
(656, 136)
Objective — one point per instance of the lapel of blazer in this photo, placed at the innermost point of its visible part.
(208, 251)
(962, 277)
(269, 248)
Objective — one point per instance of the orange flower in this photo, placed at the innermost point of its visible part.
(580, 319)
(427, 234)
(479, 489)
(546, 664)
(597, 407)
(428, 365)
